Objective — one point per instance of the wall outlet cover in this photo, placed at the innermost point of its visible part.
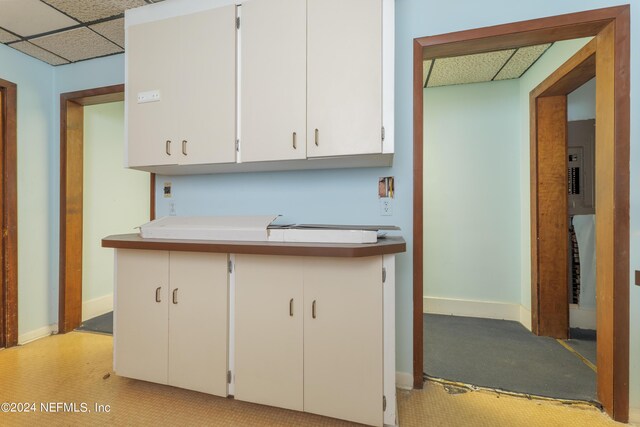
(386, 207)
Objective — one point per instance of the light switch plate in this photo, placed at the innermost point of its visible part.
(148, 96)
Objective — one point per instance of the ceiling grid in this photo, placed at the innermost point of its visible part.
(65, 31)
(481, 67)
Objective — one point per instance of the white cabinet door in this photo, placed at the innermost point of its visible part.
(198, 321)
(344, 77)
(206, 61)
(343, 366)
(269, 313)
(141, 314)
(273, 80)
(153, 136)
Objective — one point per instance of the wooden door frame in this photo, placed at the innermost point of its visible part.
(71, 190)
(549, 204)
(526, 33)
(9, 215)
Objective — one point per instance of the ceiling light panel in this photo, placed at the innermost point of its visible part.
(31, 17)
(113, 30)
(38, 53)
(426, 66)
(481, 67)
(78, 44)
(93, 10)
(6, 36)
(521, 61)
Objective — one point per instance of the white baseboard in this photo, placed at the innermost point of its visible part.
(404, 380)
(97, 307)
(45, 331)
(634, 416)
(525, 317)
(469, 308)
(582, 318)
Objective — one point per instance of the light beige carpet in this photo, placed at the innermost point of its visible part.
(76, 368)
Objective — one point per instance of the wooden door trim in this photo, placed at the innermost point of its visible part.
(9, 215)
(531, 32)
(71, 141)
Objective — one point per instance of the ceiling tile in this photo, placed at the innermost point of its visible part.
(36, 52)
(521, 61)
(6, 36)
(113, 30)
(78, 44)
(426, 65)
(30, 17)
(481, 67)
(92, 10)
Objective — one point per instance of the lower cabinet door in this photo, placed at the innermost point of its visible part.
(198, 321)
(343, 366)
(268, 337)
(141, 314)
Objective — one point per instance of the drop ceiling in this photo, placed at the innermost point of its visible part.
(65, 31)
(481, 67)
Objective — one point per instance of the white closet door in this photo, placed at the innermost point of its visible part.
(273, 80)
(343, 366)
(198, 321)
(207, 105)
(141, 327)
(152, 64)
(344, 77)
(269, 312)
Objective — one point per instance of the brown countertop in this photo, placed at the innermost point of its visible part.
(388, 245)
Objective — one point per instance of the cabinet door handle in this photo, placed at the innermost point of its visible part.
(184, 147)
(158, 293)
(295, 146)
(167, 147)
(317, 137)
(291, 307)
(313, 309)
(175, 296)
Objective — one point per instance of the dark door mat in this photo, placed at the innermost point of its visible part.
(503, 355)
(102, 324)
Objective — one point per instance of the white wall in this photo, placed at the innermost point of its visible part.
(581, 103)
(116, 200)
(471, 192)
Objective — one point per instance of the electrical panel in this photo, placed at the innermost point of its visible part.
(581, 167)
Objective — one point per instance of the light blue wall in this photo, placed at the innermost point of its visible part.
(35, 111)
(69, 78)
(472, 192)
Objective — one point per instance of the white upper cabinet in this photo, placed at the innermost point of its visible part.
(344, 77)
(181, 95)
(152, 129)
(273, 80)
(208, 96)
(263, 85)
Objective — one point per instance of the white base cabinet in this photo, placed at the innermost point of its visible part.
(171, 318)
(309, 335)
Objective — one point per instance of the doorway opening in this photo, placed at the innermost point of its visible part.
(610, 27)
(476, 126)
(95, 105)
(8, 215)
